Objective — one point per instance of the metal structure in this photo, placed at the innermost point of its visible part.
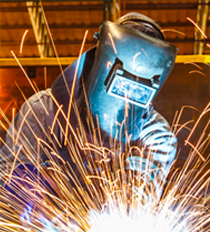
(110, 9)
(39, 25)
(53, 61)
(202, 17)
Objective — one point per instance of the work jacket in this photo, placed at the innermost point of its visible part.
(40, 129)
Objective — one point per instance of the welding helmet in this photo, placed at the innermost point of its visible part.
(132, 62)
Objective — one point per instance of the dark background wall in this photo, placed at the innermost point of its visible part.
(186, 93)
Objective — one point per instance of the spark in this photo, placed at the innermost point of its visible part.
(108, 194)
(22, 41)
(173, 30)
(9, 225)
(108, 64)
(134, 58)
(54, 47)
(28, 79)
(55, 118)
(206, 109)
(14, 163)
(137, 54)
(147, 56)
(21, 125)
(187, 142)
(13, 126)
(112, 42)
(120, 205)
(176, 122)
(73, 85)
(65, 117)
(183, 126)
(35, 116)
(196, 25)
(101, 194)
(196, 71)
(106, 116)
(196, 65)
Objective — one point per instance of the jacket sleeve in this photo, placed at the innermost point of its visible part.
(156, 152)
(29, 128)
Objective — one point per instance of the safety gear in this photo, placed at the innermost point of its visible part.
(141, 23)
(130, 67)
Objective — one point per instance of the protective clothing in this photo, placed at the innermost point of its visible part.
(129, 68)
(37, 129)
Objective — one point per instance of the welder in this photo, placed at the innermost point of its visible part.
(113, 85)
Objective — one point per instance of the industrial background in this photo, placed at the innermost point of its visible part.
(45, 36)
